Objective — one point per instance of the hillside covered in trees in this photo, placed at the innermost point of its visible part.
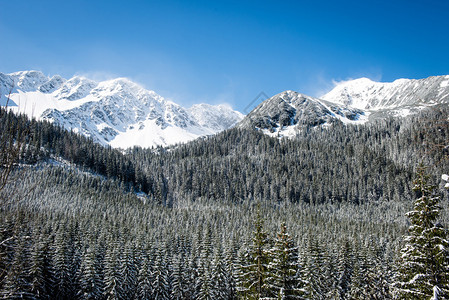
(237, 215)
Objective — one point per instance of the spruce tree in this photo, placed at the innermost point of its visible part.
(423, 269)
(144, 280)
(91, 285)
(254, 273)
(283, 279)
(179, 289)
(18, 282)
(129, 273)
(220, 278)
(160, 284)
(41, 269)
(314, 270)
(112, 279)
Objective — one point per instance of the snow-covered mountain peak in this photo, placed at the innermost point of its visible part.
(290, 95)
(28, 80)
(125, 88)
(287, 113)
(120, 84)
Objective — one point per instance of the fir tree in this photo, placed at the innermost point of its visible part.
(179, 277)
(314, 270)
(91, 285)
(62, 264)
(144, 280)
(220, 278)
(254, 273)
(18, 282)
(423, 269)
(41, 270)
(161, 285)
(112, 278)
(129, 273)
(283, 279)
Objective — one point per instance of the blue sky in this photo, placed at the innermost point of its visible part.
(227, 51)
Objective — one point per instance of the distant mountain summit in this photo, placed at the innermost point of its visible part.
(400, 97)
(116, 112)
(351, 102)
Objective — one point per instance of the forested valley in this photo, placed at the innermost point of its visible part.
(237, 215)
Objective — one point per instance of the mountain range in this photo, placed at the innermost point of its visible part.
(123, 114)
(116, 112)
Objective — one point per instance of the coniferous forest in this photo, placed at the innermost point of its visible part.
(342, 212)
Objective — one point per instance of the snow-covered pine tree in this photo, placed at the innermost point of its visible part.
(144, 280)
(313, 270)
(91, 285)
(112, 277)
(206, 286)
(160, 284)
(179, 286)
(283, 280)
(254, 273)
(423, 268)
(41, 268)
(240, 271)
(17, 283)
(345, 268)
(192, 276)
(231, 267)
(61, 261)
(220, 278)
(129, 272)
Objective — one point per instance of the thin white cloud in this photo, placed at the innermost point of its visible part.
(98, 76)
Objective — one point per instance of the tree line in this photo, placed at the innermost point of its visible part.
(236, 215)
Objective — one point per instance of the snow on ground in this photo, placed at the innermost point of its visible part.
(148, 134)
(286, 131)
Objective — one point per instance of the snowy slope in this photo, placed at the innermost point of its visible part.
(215, 117)
(116, 112)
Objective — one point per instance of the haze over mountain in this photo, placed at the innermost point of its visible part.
(117, 112)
